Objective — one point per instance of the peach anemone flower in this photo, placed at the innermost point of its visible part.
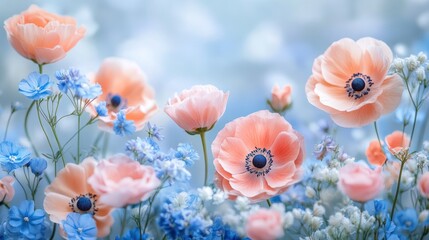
(41, 36)
(257, 156)
(397, 141)
(351, 84)
(281, 98)
(70, 192)
(125, 88)
(375, 153)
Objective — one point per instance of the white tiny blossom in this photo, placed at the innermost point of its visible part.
(180, 200)
(288, 220)
(205, 193)
(306, 218)
(336, 219)
(412, 63)
(426, 143)
(219, 197)
(315, 223)
(297, 213)
(242, 204)
(422, 57)
(422, 160)
(310, 192)
(423, 215)
(328, 195)
(411, 165)
(398, 64)
(318, 210)
(420, 73)
(319, 235)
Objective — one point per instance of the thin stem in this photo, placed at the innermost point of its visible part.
(40, 68)
(105, 145)
(378, 137)
(269, 202)
(416, 110)
(27, 133)
(124, 222)
(22, 186)
(43, 129)
(6, 205)
(78, 140)
(53, 231)
(7, 124)
(57, 140)
(360, 220)
(397, 189)
(203, 141)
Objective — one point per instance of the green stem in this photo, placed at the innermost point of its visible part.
(105, 145)
(164, 237)
(206, 162)
(360, 220)
(6, 205)
(40, 68)
(416, 110)
(20, 184)
(269, 202)
(27, 133)
(150, 205)
(78, 140)
(378, 137)
(397, 189)
(53, 231)
(7, 124)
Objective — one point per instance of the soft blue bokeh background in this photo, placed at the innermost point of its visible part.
(242, 46)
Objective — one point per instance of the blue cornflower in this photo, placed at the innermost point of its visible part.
(25, 221)
(219, 231)
(133, 234)
(13, 156)
(172, 169)
(378, 208)
(186, 153)
(101, 109)
(71, 80)
(388, 231)
(36, 86)
(122, 126)
(80, 226)
(38, 166)
(143, 150)
(154, 131)
(406, 220)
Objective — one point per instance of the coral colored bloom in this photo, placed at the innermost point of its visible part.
(424, 184)
(70, 192)
(42, 36)
(281, 98)
(257, 156)
(351, 84)
(359, 182)
(120, 181)
(6, 189)
(197, 108)
(397, 141)
(375, 153)
(124, 88)
(264, 224)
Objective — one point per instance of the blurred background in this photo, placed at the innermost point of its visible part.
(241, 46)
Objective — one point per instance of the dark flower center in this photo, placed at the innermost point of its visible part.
(115, 101)
(259, 161)
(358, 84)
(84, 204)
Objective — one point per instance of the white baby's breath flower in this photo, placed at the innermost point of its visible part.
(307, 216)
(219, 197)
(180, 200)
(288, 220)
(422, 57)
(318, 210)
(242, 204)
(398, 64)
(423, 215)
(336, 219)
(297, 213)
(310, 192)
(420, 73)
(412, 63)
(205, 193)
(315, 223)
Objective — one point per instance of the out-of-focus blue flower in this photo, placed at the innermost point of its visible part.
(133, 234)
(154, 131)
(219, 231)
(38, 166)
(325, 146)
(101, 109)
(186, 153)
(180, 217)
(25, 222)
(122, 126)
(377, 208)
(143, 150)
(406, 220)
(16, 106)
(36, 86)
(173, 169)
(71, 80)
(13, 156)
(80, 226)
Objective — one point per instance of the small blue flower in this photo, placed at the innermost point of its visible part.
(122, 126)
(71, 80)
(186, 153)
(36, 86)
(25, 221)
(143, 150)
(101, 109)
(13, 156)
(172, 169)
(80, 226)
(38, 166)
(154, 131)
(406, 220)
(219, 231)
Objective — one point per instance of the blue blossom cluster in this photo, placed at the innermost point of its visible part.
(71, 80)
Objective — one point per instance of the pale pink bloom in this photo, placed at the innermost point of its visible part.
(264, 224)
(124, 88)
(281, 98)
(7, 192)
(257, 156)
(375, 153)
(42, 36)
(70, 192)
(424, 184)
(120, 181)
(197, 108)
(351, 84)
(397, 141)
(392, 170)
(359, 182)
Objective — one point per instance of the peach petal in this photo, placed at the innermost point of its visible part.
(249, 185)
(280, 176)
(232, 157)
(392, 92)
(367, 114)
(285, 149)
